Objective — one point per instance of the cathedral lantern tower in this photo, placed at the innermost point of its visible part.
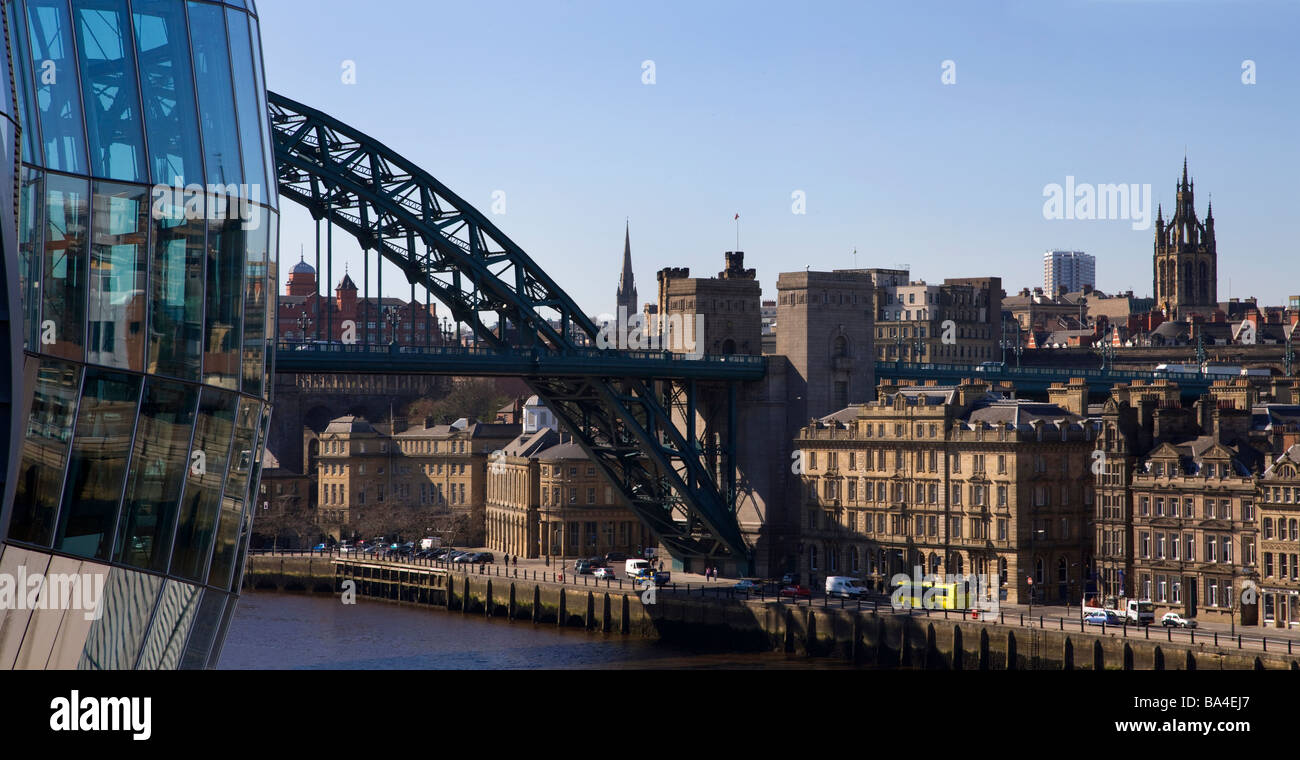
(1185, 265)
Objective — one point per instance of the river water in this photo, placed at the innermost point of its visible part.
(296, 632)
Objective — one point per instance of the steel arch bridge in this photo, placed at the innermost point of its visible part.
(620, 406)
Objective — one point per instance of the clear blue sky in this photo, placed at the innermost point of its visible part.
(844, 101)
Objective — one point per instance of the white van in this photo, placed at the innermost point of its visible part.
(843, 585)
(634, 566)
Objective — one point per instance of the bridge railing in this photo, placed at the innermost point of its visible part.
(975, 370)
(516, 353)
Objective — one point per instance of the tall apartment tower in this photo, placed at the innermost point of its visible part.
(1071, 269)
(1185, 265)
(825, 330)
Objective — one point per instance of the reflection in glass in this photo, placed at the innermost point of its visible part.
(176, 295)
(45, 450)
(254, 354)
(97, 467)
(108, 86)
(31, 222)
(216, 98)
(204, 630)
(228, 532)
(115, 639)
(168, 86)
(272, 191)
(158, 464)
(202, 499)
(58, 98)
(23, 78)
(251, 120)
(225, 297)
(171, 624)
(63, 286)
(272, 298)
(232, 532)
(118, 252)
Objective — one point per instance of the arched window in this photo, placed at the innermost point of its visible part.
(853, 559)
(1002, 571)
(934, 563)
(812, 558)
(1062, 571)
(833, 559)
(1038, 570)
(729, 346)
(841, 346)
(1203, 283)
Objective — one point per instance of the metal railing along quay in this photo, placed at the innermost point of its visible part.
(877, 604)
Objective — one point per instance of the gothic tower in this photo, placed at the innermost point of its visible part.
(1185, 265)
(626, 301)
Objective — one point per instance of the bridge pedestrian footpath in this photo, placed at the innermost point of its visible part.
(1211, 636)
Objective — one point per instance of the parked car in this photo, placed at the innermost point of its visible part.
(796, 592)
(460, 557)
(603, 573)
(748, 585)
(1173, 619)
(582, 566)
(614, 557)
(1098, 618)
(484, 557)
(790, 579)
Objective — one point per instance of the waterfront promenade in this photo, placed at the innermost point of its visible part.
(690, 608)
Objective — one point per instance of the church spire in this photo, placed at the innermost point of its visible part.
(626, 281)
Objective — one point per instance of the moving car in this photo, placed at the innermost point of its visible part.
(796, 592)
(748, 585)
(1097, 618)
(1177, 621)
(614, 557)
(582, 567)
(633, 567)
(604, 572)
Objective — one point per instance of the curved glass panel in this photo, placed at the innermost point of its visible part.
(118, 256)
(63, 281)
(167, 83)
(97, 468)
(216, 95)
(227, 247)
(251, 120)
(112, 105)
(158, 465)
(58, 96)
(202, 500)
(31, 223)
(176, 295)
(255, 287)
(23, 84)
(45, 450)
(170, 626)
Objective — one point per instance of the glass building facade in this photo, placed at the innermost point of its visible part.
(140, 241)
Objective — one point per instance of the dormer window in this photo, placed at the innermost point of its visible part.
(1158, 469)
(1209, 470)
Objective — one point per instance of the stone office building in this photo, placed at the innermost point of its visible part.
(1279, 540)
(951, 479)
